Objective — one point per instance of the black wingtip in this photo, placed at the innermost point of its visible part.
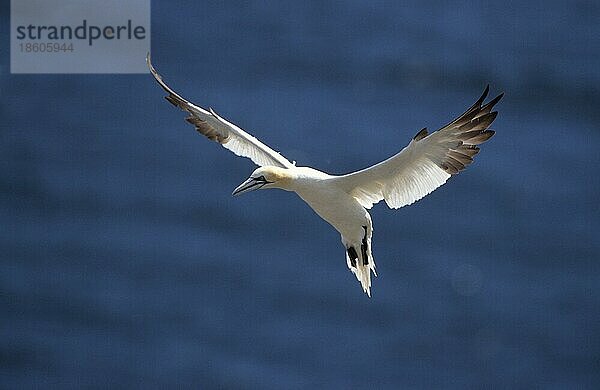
(489, 105)
(497, 99)
(421, 134)
(483, 95)
(172, 100)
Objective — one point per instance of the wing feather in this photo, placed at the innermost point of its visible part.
(215, 128)
(427, 162)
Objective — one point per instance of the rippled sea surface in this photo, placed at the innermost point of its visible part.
(125, 262)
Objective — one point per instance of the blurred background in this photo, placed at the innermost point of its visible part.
(125, 262)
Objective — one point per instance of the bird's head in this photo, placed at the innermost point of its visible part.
(265, 177)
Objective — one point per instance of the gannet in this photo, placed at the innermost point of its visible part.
(428, 161)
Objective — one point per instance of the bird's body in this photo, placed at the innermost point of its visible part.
(418, 169)
(327, 197)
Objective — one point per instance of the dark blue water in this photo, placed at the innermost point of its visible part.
(125, 262)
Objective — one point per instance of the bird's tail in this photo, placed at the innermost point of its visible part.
(360, 260)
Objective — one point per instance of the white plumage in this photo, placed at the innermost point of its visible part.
(425, 164)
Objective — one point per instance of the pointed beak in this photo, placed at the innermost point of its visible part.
(249, 185)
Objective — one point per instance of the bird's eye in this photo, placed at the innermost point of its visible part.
(260, 178)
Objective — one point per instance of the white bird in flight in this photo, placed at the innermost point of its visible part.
(425, 164)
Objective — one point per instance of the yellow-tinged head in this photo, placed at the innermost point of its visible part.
(265, 177)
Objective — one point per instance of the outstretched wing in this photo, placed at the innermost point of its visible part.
(217, 129)
(427, 162)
